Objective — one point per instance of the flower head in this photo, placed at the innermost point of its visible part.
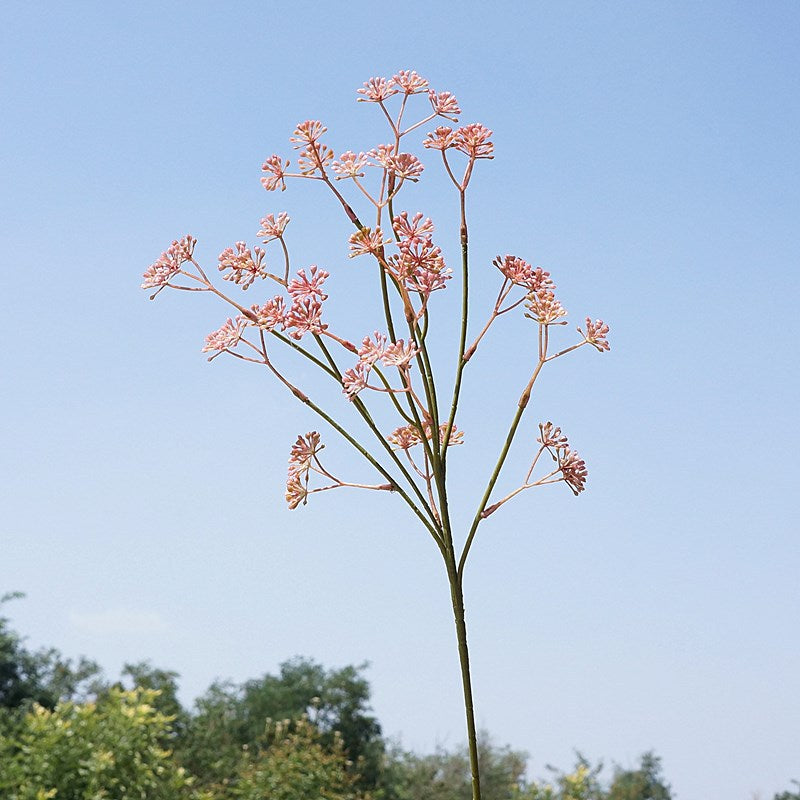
(370, 351)
(473, 140)
(456, 436)
(366, 241)
(307, 132)
(409, 435)
(443, 138)
(304, 316)
(596, 333)
(309, 286)
(414, 232)
(522, 273)
(425, 281)
(226, 338)
(303, 452)
(409, 82)
(420, 262)
(355, 379)
(272, 228)
(314, 157)
(183, 249)
(405, 438)
(376, 90)
(398, 354)
(544, 307)
(444, 105)
(573, 469)
(169, 262)
(550, 436)
(350, 165)
(244, 267)
(296, 492)
(271, 314)
(275, 168)
(301, 458)
(404, 165)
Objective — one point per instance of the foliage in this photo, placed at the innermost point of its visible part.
(644, 783)
(142, 675)
(580, 784)
(232, 717)
(298, 765)
(141, 743)
(445, 775)
(91, 751)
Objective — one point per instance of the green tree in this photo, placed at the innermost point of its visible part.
(212, 743)
(644, 783)
(297, 765)
(230, 717)
(580, 784)
(106, 749)
(444, 775)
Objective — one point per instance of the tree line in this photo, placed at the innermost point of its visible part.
(307, 732)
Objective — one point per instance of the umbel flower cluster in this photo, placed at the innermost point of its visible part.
(392, 366)
(411, 267)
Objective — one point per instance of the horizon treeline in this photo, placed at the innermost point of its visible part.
(69, 733)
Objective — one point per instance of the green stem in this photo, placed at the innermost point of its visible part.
(367, 417)
(457, 598)
(391, 393)
(310, 356)
(375, 463)
(387, 309)
(523, 402)
(462, 343)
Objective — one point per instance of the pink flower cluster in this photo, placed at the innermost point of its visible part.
(301, 458)
(350, 165)
(244, 266)
(420, 263)
(314, 156)
(404, 165)
(407, 436)
(521, 273)
(304, 315)
(366, 241)
(474, 140)
(407, 82)
(168, 264)
(272, 228)
(541, 301)
(572, 467)
(390, 354)
(596, 333)
(544, 307)
(227, 337)
(275, 167)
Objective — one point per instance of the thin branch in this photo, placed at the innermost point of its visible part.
(521, 405)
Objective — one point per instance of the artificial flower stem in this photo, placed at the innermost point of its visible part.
(521, 405)
(457, 598)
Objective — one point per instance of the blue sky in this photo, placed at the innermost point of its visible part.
(646, 154)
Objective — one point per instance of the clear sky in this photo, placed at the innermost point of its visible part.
(646, 154)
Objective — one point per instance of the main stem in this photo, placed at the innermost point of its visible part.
(457, 597)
